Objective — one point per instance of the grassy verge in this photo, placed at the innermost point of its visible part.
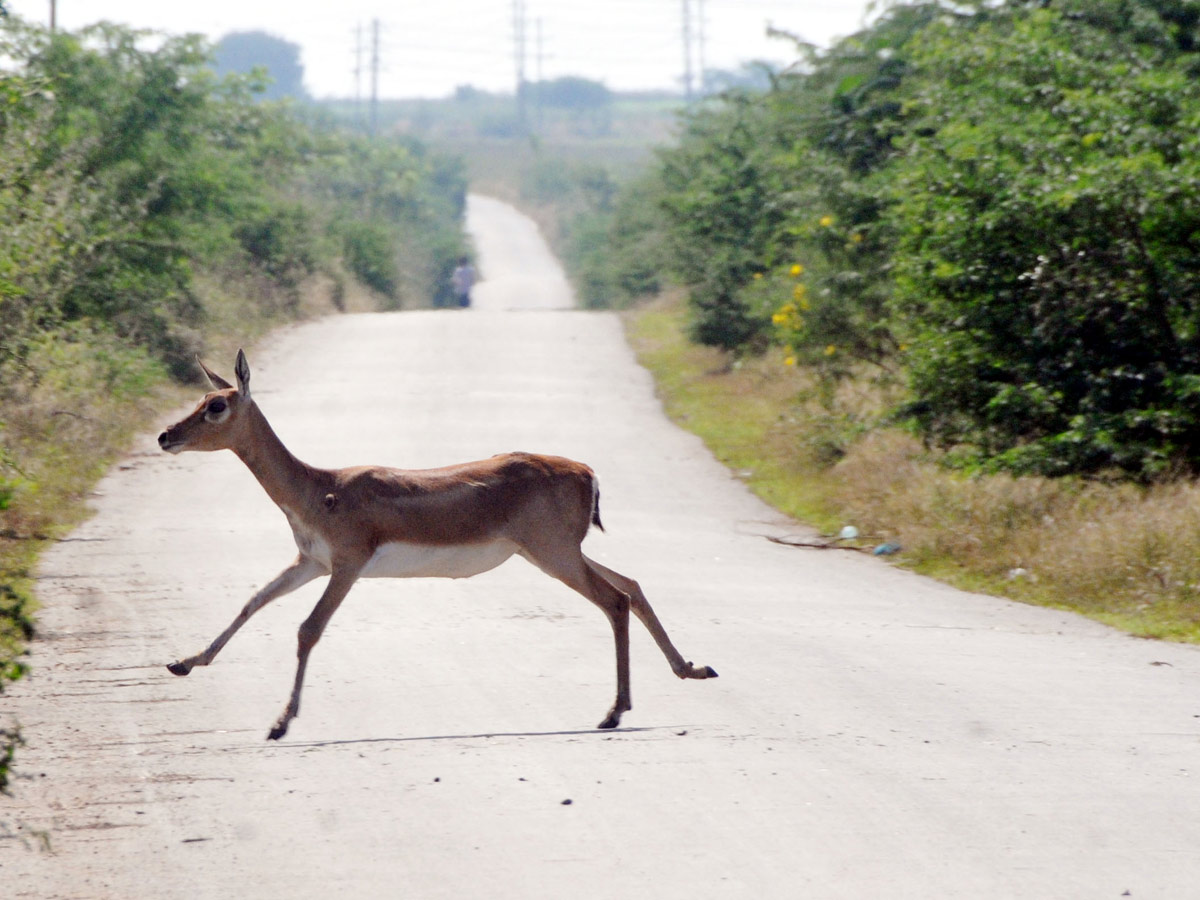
(65, 418)
(1124, 555)
(744, 414)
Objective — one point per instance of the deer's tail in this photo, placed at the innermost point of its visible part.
(596, 504)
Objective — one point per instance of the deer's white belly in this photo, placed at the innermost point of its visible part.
(406, 560)
(398, 560)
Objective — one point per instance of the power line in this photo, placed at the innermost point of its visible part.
(666, 36)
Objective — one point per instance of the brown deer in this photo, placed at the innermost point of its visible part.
(451, 522)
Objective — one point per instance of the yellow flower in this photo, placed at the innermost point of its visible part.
(799, 291)
(758, 276)
(857, 237)
(830, 350)
(826, 221)
(797, 270)
(790, 361)
(784, 314)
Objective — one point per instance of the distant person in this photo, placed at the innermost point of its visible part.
(462, 281)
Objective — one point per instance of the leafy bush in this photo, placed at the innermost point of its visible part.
(723, 200)
(395, 210)
(764, 181)
(614, 251)
(281, 240)
(998, 202)
(367, 249)
(1048, 270)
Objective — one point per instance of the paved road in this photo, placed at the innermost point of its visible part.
(873, 734)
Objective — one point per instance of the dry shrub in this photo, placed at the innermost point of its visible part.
(1132, 554)
(63, 414)
(1118, 552)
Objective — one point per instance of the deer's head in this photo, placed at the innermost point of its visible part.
(214, 424)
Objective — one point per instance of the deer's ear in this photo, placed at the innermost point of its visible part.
(214, 379)
(242, 370)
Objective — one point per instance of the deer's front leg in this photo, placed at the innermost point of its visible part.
(299, 573)
(339, 585)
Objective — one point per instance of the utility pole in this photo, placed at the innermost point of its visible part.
(519, 53)
(53, 15)
(358, 54)
(687, 51)
(374, 77)
(541, 84)
(694, 46)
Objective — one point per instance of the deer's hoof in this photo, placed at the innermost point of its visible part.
(178, 668)
(710, 672)
(613, 719)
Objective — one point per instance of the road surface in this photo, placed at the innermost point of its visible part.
(873, 734)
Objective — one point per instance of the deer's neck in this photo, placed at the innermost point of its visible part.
(289, 482)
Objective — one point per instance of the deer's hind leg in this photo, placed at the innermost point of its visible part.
(570, 567)
(645, 613)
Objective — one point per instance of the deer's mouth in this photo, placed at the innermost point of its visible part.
(169, 444)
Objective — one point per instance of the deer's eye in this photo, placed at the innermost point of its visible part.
(218, 406)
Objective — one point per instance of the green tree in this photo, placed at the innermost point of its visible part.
(587, 102)
(134, 128)
(724, 205)
(572, 92)
(250, 52)
(768, 180)
(1048, 206)
(845, 108)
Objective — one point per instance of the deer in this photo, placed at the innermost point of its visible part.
(456, 521)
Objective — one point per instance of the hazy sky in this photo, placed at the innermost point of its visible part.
(428, 47)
